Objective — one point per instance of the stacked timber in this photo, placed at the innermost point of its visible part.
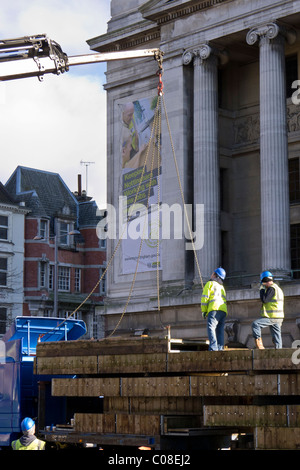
(150, 390)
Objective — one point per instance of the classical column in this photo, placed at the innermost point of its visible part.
(206, 155)
(275, 217)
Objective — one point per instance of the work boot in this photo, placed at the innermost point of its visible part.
(259, 343)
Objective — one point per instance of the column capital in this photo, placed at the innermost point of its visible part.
(269, 31)
(202, 52)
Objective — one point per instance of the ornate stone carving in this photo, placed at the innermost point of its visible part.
(203, 52)
(246, 129)
(269, 30)
(293, 118)
(187, 57)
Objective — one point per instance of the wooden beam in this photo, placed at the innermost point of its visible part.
(210, 361)
(279, 438)
(251, 415)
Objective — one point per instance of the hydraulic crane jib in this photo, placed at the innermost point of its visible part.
(34, 56)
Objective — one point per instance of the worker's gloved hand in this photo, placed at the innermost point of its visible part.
(204, 315)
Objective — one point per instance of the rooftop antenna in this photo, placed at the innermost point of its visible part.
(86, 173)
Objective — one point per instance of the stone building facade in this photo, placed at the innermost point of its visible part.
(229, 72)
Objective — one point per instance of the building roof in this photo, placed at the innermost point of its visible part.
(5, 197)
(88, 216)
(46, 195)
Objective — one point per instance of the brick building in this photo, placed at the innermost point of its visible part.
(64, 258)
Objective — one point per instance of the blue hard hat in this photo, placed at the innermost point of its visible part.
(221, 273)
(27, 424)
(265, 274)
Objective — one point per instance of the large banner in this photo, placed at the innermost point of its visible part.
(138, 143)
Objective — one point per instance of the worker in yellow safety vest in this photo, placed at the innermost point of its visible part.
(214, 309)
(28, 441)
(272, 311)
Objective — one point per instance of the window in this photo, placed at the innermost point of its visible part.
(103, 282)
(43, 274)
(102, 243)
(3, 227)
(64, 229)
(64, 278)
(3, 320)
(44, 229)
(295, 250)
(294, 183)
(51, 276)
(3, 272)
(77, 279)
(66, 314)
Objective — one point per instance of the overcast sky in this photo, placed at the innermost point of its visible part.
(55, 124)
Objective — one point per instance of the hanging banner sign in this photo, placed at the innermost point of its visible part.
(140, 183)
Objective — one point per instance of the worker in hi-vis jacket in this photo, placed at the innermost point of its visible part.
(272, 311)
(28, 441)
(214, 309)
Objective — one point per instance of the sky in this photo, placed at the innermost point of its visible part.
(56, 124)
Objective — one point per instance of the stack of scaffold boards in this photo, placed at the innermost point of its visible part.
(157, 389)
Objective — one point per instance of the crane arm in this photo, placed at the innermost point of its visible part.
(35, 56)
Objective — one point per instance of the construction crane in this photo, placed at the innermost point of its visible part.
(35, 56)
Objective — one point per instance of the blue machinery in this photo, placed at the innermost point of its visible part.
(18, 385)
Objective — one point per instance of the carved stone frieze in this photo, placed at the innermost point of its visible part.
(246, 129)
(293, 117)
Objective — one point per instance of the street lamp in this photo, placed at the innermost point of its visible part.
(55, 283)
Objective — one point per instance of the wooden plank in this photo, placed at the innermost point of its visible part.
(153, 405)
(274, 359)
(114, 345)
(67, 365)
(251, 415)
(86, 387)
(94, 423)
(117, 423)
(132, 363)
(116, 405)
(280, 438)
(138, 424)
(289, 384)
(155, 386)
(234, 385)
(210, 361)
(180, 386)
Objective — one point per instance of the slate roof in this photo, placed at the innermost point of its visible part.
(45, 193)
(5, 197)
(88, 214)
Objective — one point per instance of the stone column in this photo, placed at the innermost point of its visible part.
(206, 154)
(275, 217)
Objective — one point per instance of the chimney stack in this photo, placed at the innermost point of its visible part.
(79, 185)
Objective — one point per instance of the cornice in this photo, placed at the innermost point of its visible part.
(163, 12)
(133, 36)
(14, 208)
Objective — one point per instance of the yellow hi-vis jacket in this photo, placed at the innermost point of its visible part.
(274, 308)
(34, 445)
(213, 298)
